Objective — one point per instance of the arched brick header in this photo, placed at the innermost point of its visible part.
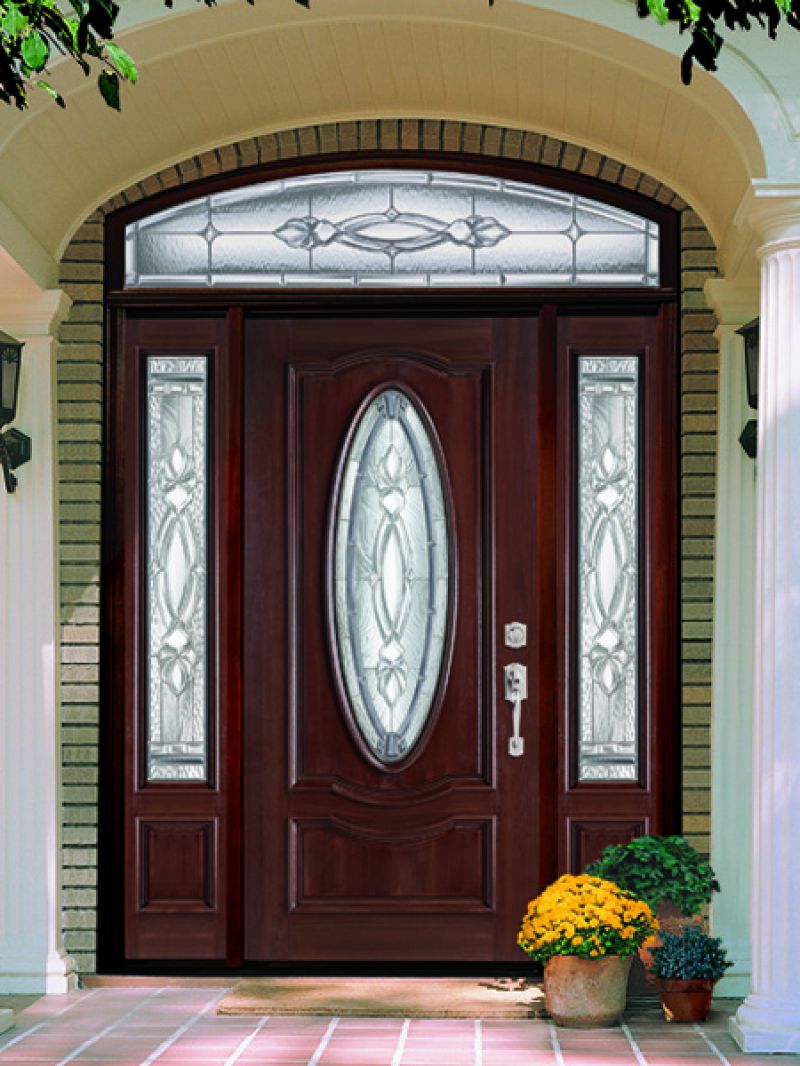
(80, 412)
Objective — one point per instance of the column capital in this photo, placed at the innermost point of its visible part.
(37, 316)
(772, 208)
(734, 302)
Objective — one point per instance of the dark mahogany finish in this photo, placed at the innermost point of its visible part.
(300, 850)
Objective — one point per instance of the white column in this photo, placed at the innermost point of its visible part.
(31, 954)
(769, 1019)
(734, 599)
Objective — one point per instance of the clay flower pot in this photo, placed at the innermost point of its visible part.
(586, 993)
(685, 1001)
(670, 920)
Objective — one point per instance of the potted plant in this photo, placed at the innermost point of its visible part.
(661, 871)
(668, 874)
(686, 968)
(584, 931)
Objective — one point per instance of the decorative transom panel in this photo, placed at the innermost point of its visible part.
(391, 228)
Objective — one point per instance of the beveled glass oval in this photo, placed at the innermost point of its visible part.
(390, 575)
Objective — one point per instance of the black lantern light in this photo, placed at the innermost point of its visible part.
(748, 436)
(15, 447)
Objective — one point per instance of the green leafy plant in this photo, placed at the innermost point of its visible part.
(656, 868)
(701, 19)
(692, 956)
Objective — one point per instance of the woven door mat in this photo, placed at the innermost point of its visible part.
(368, 997)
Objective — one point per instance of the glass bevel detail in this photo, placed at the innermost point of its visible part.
(390, 575)
(394, 228)
(608, 535)
(177, 596)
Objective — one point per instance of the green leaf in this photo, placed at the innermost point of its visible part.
(35, 50)
(693, 11)
(123, 62)
(658, 9)
(14, 22)
(59, 99)
(108, 84)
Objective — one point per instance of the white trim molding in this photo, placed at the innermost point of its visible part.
(732, 706)
(31, 954)
(769, 1018)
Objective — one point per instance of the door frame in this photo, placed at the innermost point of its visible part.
(117, 615)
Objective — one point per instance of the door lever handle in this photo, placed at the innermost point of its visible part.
(516, 690)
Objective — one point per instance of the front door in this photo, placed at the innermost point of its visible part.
(433, 563)
(391, 499)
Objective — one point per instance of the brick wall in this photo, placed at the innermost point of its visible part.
(80, 367)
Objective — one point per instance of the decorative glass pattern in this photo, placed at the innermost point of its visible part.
(177, 519)
(390, 575)
(608, 568)
(391, 228)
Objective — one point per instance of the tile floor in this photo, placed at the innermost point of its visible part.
(179, 1026)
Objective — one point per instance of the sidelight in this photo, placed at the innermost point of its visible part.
(390, 575)
(177, 519)
(608, 533)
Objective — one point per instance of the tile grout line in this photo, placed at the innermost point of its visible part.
(401, 1042)
(551, 1025)
(313, 1061)
(707, 1039)
(165, 1044)
(245, 1044)
(478, 1042)
(35, 1029)
(637, 1051)
(93, 1039)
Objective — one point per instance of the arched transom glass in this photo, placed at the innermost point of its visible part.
(390, 575)
(391, 228)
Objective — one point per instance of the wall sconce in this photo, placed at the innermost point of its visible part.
(749, 434)
(15, 447)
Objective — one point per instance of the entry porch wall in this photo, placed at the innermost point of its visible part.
(80, 417)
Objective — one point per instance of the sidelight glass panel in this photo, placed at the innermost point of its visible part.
(391, 575)
(395, 228)
(608, 535)
(177, 546)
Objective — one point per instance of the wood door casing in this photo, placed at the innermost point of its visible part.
(414, 862)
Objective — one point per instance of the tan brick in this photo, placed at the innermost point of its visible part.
(551, 152)
(389, 133)
(409, 134)
(431, 135)
(571, 158)
(80, 795)
(79, 897)
(492, 139)
(532, 146)
(80, 693)
(512, 144)
(591, 163)
(610, 170)
(348, 136)
(72, 673)
(74, 753)
(629, 178)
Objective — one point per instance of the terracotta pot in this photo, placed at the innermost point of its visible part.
(586, 993)
(670, 920)
(685, 1001)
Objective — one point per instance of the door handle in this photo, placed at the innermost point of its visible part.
(516, 689)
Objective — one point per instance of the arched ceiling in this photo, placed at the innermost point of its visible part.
(210, 77)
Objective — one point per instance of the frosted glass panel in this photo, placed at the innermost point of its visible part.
(390, 575)
(608, 535)
(395, 228)
(177, 518)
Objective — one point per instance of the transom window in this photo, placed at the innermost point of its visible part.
(392, 228)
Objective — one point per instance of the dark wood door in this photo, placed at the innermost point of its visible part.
(299, 843)
(431, 857)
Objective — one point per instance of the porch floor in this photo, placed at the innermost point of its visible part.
(178, 1025)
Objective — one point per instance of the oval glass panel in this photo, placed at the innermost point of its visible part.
(391, 575)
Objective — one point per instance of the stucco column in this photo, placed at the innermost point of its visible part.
(31, 954)
(769, 1019)
(734, 596)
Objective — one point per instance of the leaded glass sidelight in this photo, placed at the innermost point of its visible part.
(608, 534)
(391, 228)
(391, 575)
(177, 519)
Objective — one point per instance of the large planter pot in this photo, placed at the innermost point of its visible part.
(586, 993)
(685, 1001)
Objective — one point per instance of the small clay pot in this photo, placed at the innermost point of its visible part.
(586, 993)
(670, 920)
(685, 1001)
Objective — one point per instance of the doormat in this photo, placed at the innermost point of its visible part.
(395, 997)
